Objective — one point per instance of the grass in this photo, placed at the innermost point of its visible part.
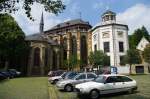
(24, 88)
(38, 88)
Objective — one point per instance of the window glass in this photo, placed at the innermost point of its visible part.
(95, 47)
(81, 77)
(121, 48)
(106, 46)
(125, 79)
(113, 79)
(89, 76)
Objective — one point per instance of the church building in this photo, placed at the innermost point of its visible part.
(49, 49)
(110, 37)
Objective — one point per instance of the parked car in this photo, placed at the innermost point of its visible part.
(7, 74)
(14, 72)
(106, 84)
(68, 84)
(2, 76)
(55, 73)
(65, 75)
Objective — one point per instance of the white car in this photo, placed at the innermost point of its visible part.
(65, 75)
(105, 84)
(68, 84)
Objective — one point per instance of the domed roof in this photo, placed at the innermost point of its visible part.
(108, 12)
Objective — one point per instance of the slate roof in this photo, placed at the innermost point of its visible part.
(40, 37)
(70, 23)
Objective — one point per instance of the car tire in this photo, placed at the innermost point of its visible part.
(94, 94)
(130, 91)
(68, 88)
(55, 81)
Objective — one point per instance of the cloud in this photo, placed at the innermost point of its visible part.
(30, 27)
(135, 17)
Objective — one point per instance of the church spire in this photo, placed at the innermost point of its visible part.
(42, 24)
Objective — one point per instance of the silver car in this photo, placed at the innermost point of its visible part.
(68, 84)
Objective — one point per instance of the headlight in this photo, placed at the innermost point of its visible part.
(81, 89)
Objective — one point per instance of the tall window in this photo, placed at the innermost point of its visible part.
(65, 48)
(95, 47)
(74, 45)
(37, 57)
(121, 47)
(106, 46)
(46, 57)
(83, 50)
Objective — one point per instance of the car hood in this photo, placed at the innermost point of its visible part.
(53, 78)
(88, 84)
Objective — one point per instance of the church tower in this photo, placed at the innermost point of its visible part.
(41, 24)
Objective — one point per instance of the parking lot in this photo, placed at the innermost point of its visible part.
(39, 88)
(143, 91)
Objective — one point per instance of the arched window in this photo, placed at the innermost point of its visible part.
(65, 48)
(46, 57)
(74, 45)
(83, 50)
(37, 57)
(54, 66)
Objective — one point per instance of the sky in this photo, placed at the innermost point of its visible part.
(134, 13)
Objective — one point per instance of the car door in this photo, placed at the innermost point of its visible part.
(80, 79)
(90, 77)
(113, 84)
(127, 83)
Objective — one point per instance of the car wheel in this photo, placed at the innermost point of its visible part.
(94, 94)
(68, 88)
(55, 81)
(130, 91)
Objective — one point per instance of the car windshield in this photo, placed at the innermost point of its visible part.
(64, 75)
(100, 79)
(72, 75)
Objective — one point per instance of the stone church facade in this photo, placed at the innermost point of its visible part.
(49, 49)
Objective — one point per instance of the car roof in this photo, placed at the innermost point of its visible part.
(108, 75)
(87, 73)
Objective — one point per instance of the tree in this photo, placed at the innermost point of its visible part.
(52, 6)
(98, 58)
(146, 54)
(12, 43)
(135, 38)
(133, 57)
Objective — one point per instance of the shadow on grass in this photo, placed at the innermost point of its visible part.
(122, 95)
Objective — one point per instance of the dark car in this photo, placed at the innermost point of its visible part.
(2, 76)
(14, 72)
(7, 74)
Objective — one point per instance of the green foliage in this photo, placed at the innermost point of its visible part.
(146, 54)
(133, 57)
(135, 38)
(72, 62)
(52, 6)
(12, 44)
(98, 58)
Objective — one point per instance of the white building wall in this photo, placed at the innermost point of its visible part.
(113, 40)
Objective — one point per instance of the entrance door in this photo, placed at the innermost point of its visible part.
(139, 69)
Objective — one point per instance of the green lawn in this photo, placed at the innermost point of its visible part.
(24, 88)
(38, 88)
